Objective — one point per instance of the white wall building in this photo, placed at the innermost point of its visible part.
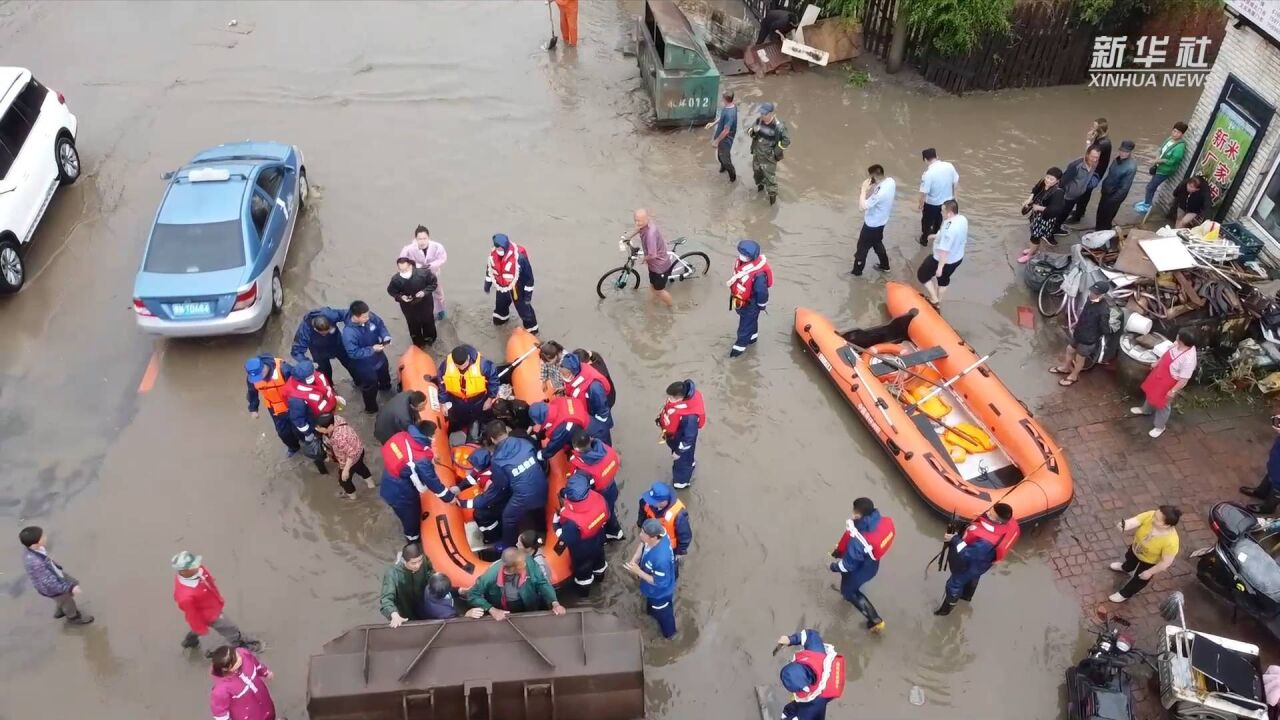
(1237, 111)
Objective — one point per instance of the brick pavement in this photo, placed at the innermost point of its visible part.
(1119, 471)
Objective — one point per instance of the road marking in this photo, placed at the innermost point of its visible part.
(149, 375)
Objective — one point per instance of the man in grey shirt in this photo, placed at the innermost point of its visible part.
(1079, 177)
(656, 255)
(1115, 188)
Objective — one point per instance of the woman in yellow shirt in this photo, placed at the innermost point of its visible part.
(1155, 545)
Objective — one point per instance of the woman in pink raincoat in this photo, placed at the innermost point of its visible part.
(240, 686)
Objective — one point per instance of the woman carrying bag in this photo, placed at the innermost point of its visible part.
(1043, 208)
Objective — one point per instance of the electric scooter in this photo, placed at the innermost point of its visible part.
(1239, 570)
(1099, 686)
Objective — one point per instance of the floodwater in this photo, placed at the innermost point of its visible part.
(452, 115)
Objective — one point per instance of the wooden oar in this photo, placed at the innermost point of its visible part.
(948, 383)
(894, 362)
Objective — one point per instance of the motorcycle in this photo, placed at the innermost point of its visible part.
(1239, 570)
(1099, 686)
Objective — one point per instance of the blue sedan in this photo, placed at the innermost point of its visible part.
(217, 248)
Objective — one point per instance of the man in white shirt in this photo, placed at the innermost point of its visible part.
(937, 185)
(948, 250)
(876, 201)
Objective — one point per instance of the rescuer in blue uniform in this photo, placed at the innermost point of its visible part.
(580, 526)
(318, 334)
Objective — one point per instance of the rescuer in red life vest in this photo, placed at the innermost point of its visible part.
(580, 525)
(749, 293)
(510, 272)
(682, 416)
(985, 542)
(601, 463)
(815, 676)
(310, 396)
(868, 536)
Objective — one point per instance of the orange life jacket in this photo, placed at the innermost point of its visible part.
(272, 390)
(668, 518)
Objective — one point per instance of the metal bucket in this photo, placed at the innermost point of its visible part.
(1135, 362)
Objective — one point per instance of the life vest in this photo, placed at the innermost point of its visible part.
(829, 669)
(465, 385)
(504, 268)
(603, 471)
(743, 279)
(875, 543)
(667, 518)
(590, 514)
(674, 412)
(402, 450)
(1002, 536)
(577, 387)
(273, 390)
(317, 395)
(562, 409)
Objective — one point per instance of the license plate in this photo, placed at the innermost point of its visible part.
(191, 309)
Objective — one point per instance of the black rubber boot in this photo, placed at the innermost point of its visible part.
(191, 640)
(948, 604)
(969, 590)
(874, 622)
(773, 198)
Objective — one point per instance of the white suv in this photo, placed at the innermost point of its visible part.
(37, 154)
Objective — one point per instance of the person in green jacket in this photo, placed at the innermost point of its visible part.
(513, 585)
(1166, 164)
(403, 585)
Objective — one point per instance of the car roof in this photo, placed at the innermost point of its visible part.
(206, 201)
(9, 87)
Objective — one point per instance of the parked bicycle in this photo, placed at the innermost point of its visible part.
(683, 267)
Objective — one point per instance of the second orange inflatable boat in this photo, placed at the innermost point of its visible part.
(963, 448)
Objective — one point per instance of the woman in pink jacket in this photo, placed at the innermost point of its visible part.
(427, 253)
(240, 686)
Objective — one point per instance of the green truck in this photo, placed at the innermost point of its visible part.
(677, 70)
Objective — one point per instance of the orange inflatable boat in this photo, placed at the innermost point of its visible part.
(444, 527)
(964, 447)
(526, 381)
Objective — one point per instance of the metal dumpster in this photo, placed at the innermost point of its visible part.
(584, 665)
(678, 72)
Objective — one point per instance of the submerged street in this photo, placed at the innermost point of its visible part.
(450, 114)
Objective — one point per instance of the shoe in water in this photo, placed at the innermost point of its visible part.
(875, 627)
(290, 452)
(882, 268)
(681, 485)
(250, 645)
(80, 619)
(441, 314)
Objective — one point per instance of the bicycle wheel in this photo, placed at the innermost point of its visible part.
(694, 264)
(1051, 298)
(617, 281)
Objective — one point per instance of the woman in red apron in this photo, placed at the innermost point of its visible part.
(1172, 373)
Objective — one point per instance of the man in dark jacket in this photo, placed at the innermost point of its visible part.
(1096, 138)
(1116, 185)
(1092, 325)
(1077, 180)
(398, 414)
(403, 586)
(515, 466)
(1268, 491)
(365, 337)
(48, 577)
(318, 334)
(412, 287)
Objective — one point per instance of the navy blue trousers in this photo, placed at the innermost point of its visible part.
(851, 589)
(324, 363)
(748, 326)
(524, 307)
(664, 611)
(405, 503)
(587, 557)
(512, 515)
(812, 710)
(682, 467)
(285, 431)
(613, 527)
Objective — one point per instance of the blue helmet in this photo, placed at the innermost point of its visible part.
(577, 486)
(304, 369)
(749, 248)
(480, 459)
(572, 363)
(538, 412)
(797, 677)
(501, 241)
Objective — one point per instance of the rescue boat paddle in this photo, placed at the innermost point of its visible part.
(516, 363)
(948, 383)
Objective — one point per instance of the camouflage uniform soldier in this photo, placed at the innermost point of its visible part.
(768, 139)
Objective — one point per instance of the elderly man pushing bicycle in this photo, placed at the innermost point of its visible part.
(656, 254)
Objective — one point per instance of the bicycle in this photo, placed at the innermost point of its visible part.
(684, 267)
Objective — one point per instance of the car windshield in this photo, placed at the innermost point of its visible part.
(195, 248)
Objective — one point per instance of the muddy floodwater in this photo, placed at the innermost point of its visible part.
(452, 115)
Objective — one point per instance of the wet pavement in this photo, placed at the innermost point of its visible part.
(452, 115)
